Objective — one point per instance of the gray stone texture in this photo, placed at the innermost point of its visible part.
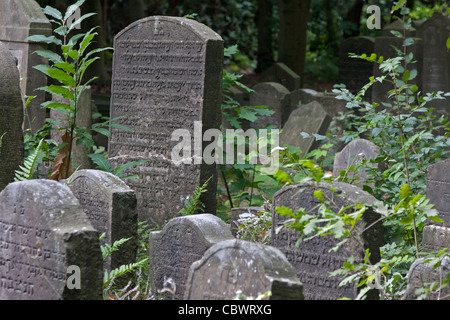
(313, 259)
(20, 19)
(182, 241)
(438, 189)
(252, 269)
(44, 231)
(11, 118)
(167, 74)
(282, 74)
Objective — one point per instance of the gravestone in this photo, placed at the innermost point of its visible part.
(352, 154)
(310, 118)
(383, 47)
(110, 206)
(83, 120)
(422, 275)
(436, 60)
(437, 236)
(11, 118)
(235, 266)
(45, 236)
(328, 100)
(277, 98)
(167, 75)
(236, 212)
(313, 259)
(282, 74)
(353, 72)
(182, 241)
(20, 19)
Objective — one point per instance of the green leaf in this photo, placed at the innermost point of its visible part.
(448, 43)
(406, 75)
(120, 170)
(66, 66)
(55, 13)
(50, 55)
(71, 9)
(102, 131)
(44, 39)
(61, 76)
(56, 105)
(101, 162)
(59, 91)
(87, 41)
(248, 114)
(78, 21)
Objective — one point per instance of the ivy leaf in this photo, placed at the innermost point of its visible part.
(248, 114)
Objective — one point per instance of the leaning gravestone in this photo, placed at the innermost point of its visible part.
(235, 267)
(181, 242)
(311, 119)
(436, 59)
(11, 118)
(45, 236)
(167, 75)
(423, 275)
(277, 98)
(355, 152)
(20, 19)
(313, 259)
(111, 208)
(354, 72)
(282, 74)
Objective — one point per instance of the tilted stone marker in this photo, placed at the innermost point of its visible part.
(354, 72)
(422, 275)
(277, 98)
(282, 74)
(313, 259)
(44, 231)
(11, 118)
(310, 118)
(355, 152)
(167, 75)
(111, 208)
(20, 19)
(436, 60)
(235, 266)
(181, 242)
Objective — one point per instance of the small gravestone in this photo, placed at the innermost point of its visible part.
(235, 267)
(352, 155)
(384, 47)
(353, 72)
(436, 59)
(423, 275)
(328, 100)
(311, 119)
(20, 19)
(167, 75)
(111, 208)
(49, 249)
(11, 118)
(313, 259)
(181, 242)
(282, 74)
(236, 212)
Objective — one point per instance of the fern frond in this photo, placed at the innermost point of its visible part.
(107, 250)
(29, 164)
(120, 271)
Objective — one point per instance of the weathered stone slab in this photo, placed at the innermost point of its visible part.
(111, 208)
(181, 242)
(277, 98)
(44, 231)
(438, 189)
(282, 74)
(422, 275)
(167, 75)
(310, 118)
(20, 19)
(235, 266)
(313, 259)
(11, 118)
(435, 238)
(355, 151)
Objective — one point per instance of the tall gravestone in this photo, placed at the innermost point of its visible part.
(353, 72)
(11, 118)
(181, 242)
(20, 19)
(111, 208)
(313, 259)
(277, 98)
(235, 267)
(310, 118)
(354, 152)
(436, 59)
(167, 75)
(45, 240)
(437, 236)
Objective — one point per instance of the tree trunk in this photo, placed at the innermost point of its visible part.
(292, 37)
(264, 22)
